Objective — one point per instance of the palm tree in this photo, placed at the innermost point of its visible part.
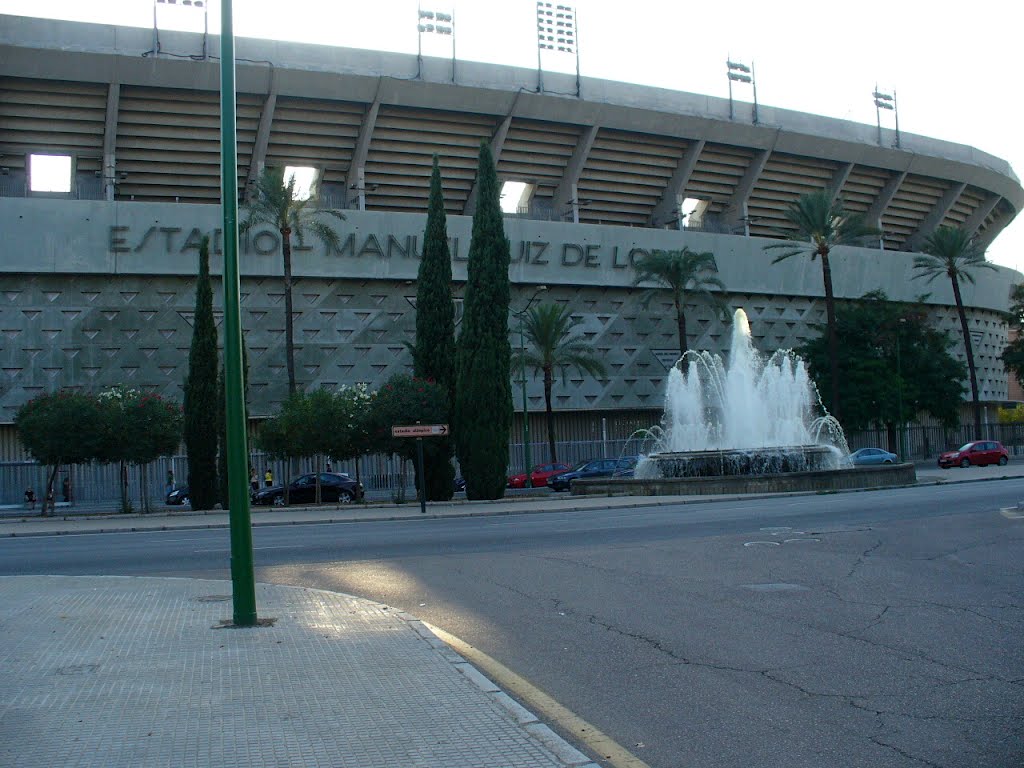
(952, 252)
(679, 272)
(548, 329)
(819, 224)
(275, 204)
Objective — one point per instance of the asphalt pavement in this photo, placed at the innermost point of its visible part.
(140, 671)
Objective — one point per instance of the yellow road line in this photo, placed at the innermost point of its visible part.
(543, 705)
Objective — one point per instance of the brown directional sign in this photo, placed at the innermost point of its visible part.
(420, 430)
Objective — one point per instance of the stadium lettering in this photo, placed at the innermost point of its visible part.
(530, 252)
(119, 240)
(537, 257)
(267, 242)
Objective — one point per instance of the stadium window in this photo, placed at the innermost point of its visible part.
(49, 173)
(305, 180)
(515, 195)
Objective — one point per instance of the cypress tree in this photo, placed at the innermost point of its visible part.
(201, 393)
(434, 352)
(483, 396)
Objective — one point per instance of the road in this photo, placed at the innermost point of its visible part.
(862, 629)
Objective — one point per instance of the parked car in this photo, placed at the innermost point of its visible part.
(334, 486)
(589, 469)
(626, 466)
(977, 452)
(539, 476)
(867, 456)
(178, 496)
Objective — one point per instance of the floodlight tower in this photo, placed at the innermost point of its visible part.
(740, 73)
(886, 101)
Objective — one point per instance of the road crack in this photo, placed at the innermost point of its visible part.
(903, 753)
(864, 556)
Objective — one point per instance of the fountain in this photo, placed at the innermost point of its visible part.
(754, 424)
(750, 417)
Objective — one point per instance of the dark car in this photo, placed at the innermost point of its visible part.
(178, 496)
(334, 486)
(626, 466)
(589, 469)
(977, 452)
(868, 456)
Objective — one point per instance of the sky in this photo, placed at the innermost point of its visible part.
(953, 66)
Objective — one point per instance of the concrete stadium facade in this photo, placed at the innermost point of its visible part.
(97, 285)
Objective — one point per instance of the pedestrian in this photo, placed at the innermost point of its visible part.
(329, 467)
(268, 478)
(170, 481)
(65, 488)
(30, 498)
(254, 481)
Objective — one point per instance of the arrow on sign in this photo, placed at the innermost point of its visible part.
(420, 430)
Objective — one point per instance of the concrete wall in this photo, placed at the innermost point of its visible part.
(831, 480)
(96, 293)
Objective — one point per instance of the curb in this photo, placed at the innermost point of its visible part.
(409, 516)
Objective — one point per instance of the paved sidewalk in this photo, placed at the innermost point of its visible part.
(118, 671)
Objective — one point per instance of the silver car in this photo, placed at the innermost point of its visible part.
(869, 456)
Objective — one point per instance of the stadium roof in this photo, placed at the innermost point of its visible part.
(146, 125)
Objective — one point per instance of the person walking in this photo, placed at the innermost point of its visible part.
(254, 481)
(268, 478)
(30, 498)
(65, 488)
(170, 481)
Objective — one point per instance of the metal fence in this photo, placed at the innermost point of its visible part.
(390, 477)
(383, 476)
(928, 442)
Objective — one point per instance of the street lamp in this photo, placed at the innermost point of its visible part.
(886, 101)
(522, 382)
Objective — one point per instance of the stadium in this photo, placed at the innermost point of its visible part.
(97, 280)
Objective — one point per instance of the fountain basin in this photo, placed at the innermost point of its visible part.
(736, 461)
(822, 480)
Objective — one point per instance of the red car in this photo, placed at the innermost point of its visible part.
(539, 476)
(977, 452)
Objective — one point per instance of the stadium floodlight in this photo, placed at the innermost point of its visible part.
(195, 5)
(556, 32)
(886, 101)
(738, 72)
(434, 22)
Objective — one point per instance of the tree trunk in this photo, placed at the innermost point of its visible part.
(316, 462)
(48, 498)
(833, 338)
(968, 348)
(289, 327)
(143, 496)
(124, 487)
(681, 326)
(892, 439)
(548, 381)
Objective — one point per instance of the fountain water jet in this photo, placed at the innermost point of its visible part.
(753, 416)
